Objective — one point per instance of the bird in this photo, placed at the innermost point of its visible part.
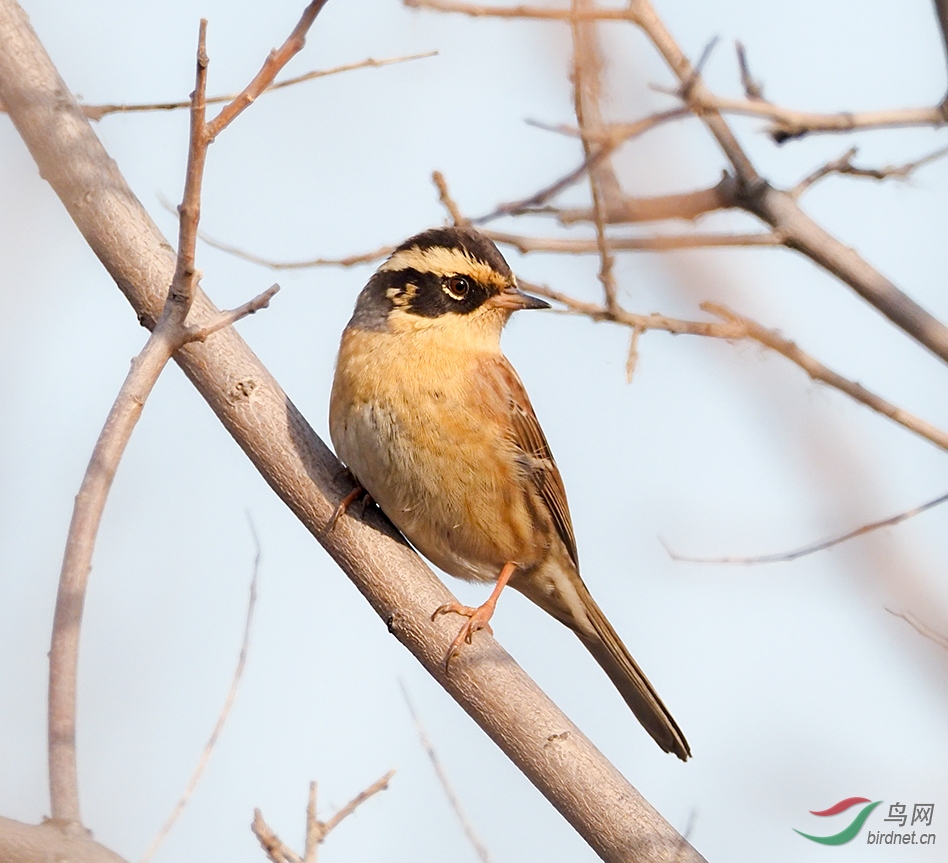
(434, 424)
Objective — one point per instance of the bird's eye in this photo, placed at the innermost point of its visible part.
(456, 287)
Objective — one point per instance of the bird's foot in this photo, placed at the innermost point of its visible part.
(477, 619)
(346, 502)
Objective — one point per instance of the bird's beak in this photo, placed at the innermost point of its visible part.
(513, 299)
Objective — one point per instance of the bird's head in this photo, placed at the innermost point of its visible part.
(452, 283)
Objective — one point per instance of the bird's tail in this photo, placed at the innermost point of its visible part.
(604, 644)
(615, 659)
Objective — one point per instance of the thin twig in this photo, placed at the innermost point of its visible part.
(444, 195)
(350, 261)
(586, 86)
(616, 132)
(278, 58)
(360, 798)
(185, 279)
(844, 165)
(822, 545)
(479, 848)
(753, 89)
(689, 206)
(224, 714)
(312, 827)
(735, 327)
(97, 112)
(818, 372)
(683, 91)
(316, 830)
(514, 208)
(657, 242)
(643, 323)
(697, 93)
(225, 319)
(790, 123)
(921, 628)
(632, 358)
(274, 847)
(538, 12)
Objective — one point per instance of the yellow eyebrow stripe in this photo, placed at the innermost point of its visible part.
(442, 261)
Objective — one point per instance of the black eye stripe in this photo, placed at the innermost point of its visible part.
(430, 296)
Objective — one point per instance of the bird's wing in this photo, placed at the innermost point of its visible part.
(529, 438)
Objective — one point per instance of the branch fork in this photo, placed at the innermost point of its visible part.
(171, 333)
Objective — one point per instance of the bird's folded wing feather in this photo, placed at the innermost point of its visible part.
(529, 437)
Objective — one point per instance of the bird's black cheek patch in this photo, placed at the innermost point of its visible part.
(431, 300)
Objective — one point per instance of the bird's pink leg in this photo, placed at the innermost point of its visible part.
(477, 618)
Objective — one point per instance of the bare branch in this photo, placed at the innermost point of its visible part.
(185, 278)
(169, 335)
(752, 87)
(226, 319)
(941, 10)
(541, 197)
(479, 848)
(683, 205)
(222, 717)
(657, 242)
(921, 628)
(538, 12)
(617, 133)
(444, 195)
(97, 112)
(789, 123)
(274, 847)
(74, 576)
(360, 798)
(312, 827)
(642, 323)
(603, 184)
(633, 356)
(785, 556)
(51, 841)
(316, 830)
(818, 372)
(271, 68)
(696, 93)
(350, 261)
(844, 165)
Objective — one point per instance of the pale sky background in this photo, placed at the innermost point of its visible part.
(793, 684)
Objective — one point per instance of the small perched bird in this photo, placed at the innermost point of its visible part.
(433, 422)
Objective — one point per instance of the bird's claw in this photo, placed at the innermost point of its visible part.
(345, 503)
(477, 619)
